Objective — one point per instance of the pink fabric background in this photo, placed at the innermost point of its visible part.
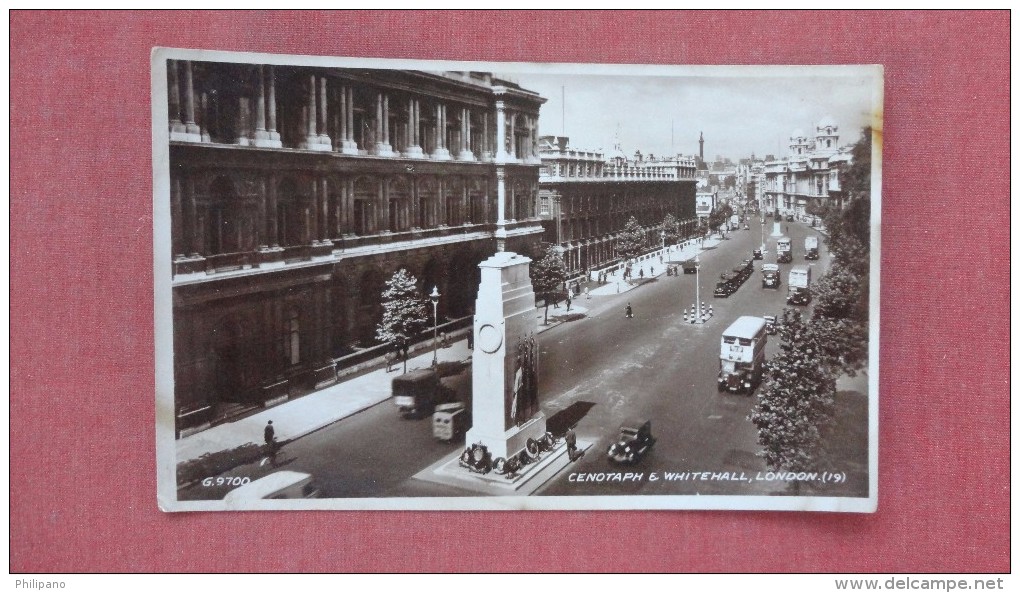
(82, 443)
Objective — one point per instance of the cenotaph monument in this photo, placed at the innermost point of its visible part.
(505, 406)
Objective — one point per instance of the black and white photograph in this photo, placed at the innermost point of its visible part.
(427, 285)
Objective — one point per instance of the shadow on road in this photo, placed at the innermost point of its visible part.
(559, 422)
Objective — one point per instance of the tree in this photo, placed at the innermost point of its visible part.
(547, 276)
(796, 404)
(719, 216)
(671, 227)
(405, 313)
(842, 295)
(631, 240)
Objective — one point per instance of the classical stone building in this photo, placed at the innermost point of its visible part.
(296, 192)
(587, 197)
(809, 175)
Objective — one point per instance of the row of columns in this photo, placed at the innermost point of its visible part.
(324, 215)
(257, 125)
(181, 102)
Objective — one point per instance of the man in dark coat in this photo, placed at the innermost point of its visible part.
(270, 435)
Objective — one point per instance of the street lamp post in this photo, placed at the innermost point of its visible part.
(697, 287)
(434, 297)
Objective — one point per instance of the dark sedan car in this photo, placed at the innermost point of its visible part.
(635, 441)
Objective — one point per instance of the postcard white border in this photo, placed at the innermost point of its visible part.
(163, 296)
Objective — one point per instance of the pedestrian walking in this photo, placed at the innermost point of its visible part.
(269, 434)
(630, 311)
(587, 295)
(568, 302)
(571, 439)
(641, 273)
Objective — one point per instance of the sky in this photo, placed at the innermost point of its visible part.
(740, 111)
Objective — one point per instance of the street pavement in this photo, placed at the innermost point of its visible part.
(595, 371)
(314, 411)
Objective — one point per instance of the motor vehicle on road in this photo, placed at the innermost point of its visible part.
(742, 355)
(277, 485)
(757, 254)
(811, 247)
(417, 393)
(770, 276)
(784, 250)
(800, 286)
(689, 266)
(634, 442)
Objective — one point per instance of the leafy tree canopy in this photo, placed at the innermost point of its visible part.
(405, 314)
(795, 407)
(672, 228)
(547, 276)
(631, 240)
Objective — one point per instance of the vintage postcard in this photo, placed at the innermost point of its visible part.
(419, 285)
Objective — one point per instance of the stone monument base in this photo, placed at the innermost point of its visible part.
(530, 478)
(512, 441)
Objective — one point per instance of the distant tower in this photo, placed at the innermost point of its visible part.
(701, 145)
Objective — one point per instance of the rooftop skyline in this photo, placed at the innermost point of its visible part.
(739, 111)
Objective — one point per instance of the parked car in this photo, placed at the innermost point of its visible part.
(634, 442)
(725, 287)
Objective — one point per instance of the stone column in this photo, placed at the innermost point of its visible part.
(323, 136)
(261, 134)
(500, 233)
(441, 153)
(179, 246)
(324, 212)
(346, 205)
(382, 146)
(347, 143)
(189, 104)
(309, 113)
(440, 211)
(243, 122)
(197, 220)
(381, 205)
(501, 153)
(513, 138)
(174, 99)
(465, 136)
(273, 213)
(274, 135)
(413, 141)
(505, 412)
